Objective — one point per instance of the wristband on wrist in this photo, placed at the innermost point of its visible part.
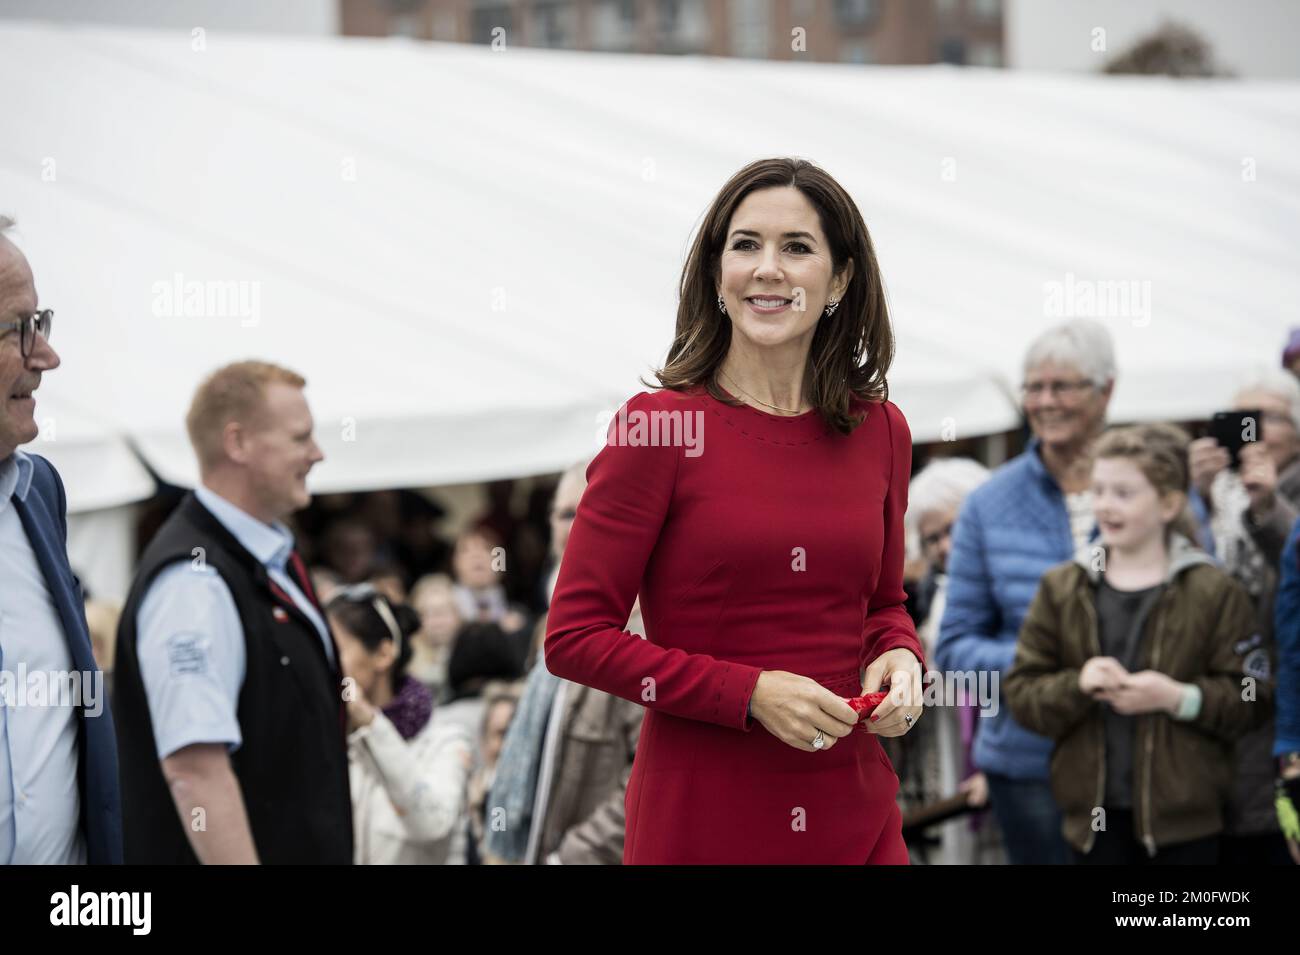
(1189, 707)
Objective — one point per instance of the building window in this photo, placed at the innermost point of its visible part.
(487, 18)
(552, 24)
(405, 24)
(856, 13)
(953, 50)
(444, 25)
(683, 26)
(985, 54)
(750, 27)
(856, 51)
(404, 18)
(613, 25)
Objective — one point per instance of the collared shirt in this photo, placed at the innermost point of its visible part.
(40, 802)
(191, 643)
(1082, 521)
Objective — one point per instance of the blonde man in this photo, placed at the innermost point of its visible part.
(228, 690)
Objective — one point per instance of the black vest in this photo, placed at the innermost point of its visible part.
(292, 765)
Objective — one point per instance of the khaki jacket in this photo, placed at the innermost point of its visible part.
(584, 819)
(584, 816)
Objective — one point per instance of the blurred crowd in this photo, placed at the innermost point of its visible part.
(505, 763)
(1130, 589)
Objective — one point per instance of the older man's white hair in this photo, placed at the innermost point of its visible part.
(941, 486)
(1274, 381)
(1083, 343)
(574, 477)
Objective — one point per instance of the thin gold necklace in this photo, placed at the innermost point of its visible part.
(752, 398)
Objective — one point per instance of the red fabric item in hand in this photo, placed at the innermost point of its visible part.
(866, 704)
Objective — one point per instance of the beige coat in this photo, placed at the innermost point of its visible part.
(583, 822)
(408, 796)
(584, 818)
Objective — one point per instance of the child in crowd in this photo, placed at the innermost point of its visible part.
(1131, 659)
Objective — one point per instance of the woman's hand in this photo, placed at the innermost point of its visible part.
(360, 711)
(793, 708)
(1146, 692)
(902, 671)
(1100, 674)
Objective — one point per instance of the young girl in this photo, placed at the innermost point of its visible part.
(1130, 659)
(407, 768)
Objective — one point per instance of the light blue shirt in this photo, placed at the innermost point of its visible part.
(40, 802)
(190, 642)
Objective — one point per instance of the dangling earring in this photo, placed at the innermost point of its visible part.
(830, 309)
(722, 306)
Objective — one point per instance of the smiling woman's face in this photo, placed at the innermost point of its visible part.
(776, 272)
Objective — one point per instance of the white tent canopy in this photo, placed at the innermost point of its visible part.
(472, 254)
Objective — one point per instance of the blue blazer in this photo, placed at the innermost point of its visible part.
(44, 517)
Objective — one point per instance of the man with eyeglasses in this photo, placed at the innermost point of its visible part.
(561, 780)
(228, 694)
(59, 799)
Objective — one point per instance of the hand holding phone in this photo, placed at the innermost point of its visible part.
(1233, 429)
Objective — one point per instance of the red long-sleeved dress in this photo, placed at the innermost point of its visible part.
(757, 542)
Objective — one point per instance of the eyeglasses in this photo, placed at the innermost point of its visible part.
(1057, 389)
(42, 321)
(1274, 417)
(932, 540)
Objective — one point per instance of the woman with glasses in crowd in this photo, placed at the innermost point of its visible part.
(1034, 512)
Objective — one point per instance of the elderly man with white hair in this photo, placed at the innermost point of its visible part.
(1246, 515)
(1034, 512)
(565, 764)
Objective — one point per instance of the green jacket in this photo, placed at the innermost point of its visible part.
(1182, 770)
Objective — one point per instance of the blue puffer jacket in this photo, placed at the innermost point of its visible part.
(1010, 531)
(1286, 633)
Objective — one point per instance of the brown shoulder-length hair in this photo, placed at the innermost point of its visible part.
(852, 349)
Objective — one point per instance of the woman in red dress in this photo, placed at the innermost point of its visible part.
(755, 501)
